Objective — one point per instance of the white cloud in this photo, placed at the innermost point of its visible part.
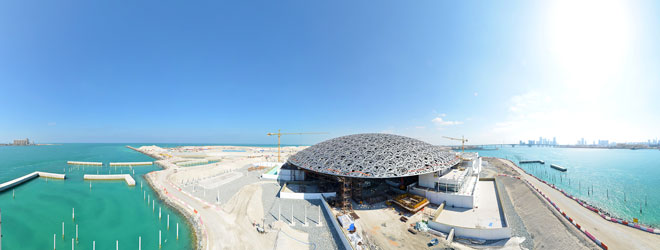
(441, 122)
(52, 124)
(476, 93)
(420, 127)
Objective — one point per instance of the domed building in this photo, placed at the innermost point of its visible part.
(371, 168)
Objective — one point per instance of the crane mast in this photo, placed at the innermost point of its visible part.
(279, 138)
(462, 139)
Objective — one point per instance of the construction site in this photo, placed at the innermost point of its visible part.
(373, 180)
(363, 191)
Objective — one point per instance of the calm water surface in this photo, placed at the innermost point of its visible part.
(623, 180)
(109, 211)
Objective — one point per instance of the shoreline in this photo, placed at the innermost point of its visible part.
(592, 225)
(196, 241)
(600, 211)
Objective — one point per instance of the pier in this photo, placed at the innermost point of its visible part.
(533, 161)
(85, 163)
(560, 168)
(142, 163)
(150, 154)
(126, 177)
(25, 178)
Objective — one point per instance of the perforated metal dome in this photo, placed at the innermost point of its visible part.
(374, 156)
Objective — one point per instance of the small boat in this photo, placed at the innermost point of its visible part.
(533, 161)
(560, 168)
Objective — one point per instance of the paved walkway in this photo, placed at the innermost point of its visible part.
(207, 213)
(615, 236)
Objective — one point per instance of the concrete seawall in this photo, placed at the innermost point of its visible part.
(84, 163)
(126, 177)
(143, 163)
(150, 154)
(27, 177)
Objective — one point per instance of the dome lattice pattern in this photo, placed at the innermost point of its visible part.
(374, 156)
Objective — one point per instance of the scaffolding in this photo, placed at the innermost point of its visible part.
(344, 201)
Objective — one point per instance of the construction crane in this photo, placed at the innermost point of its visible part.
(462, 139)
(279, 135)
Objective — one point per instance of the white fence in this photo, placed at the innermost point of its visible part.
(476, 233)
(305, 196)
(269, 176)
(291, 175)
(335, 225)
(456, 200)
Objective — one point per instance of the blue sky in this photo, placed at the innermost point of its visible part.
(231, 71)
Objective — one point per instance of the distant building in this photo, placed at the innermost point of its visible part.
(603, 143)
(24, 142)
(554, 140)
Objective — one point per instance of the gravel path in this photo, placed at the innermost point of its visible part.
(516, 224)
(531, 218)
(323, 236)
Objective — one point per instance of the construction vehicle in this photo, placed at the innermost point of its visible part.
(279, 135)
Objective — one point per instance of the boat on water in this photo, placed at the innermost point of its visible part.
(560, 168)
(533, 161)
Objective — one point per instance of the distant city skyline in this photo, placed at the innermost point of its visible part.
(226, 72)
(583, 141)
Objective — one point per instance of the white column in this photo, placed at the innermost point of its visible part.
(159, 240)
(319, 222)
(140, 243)
(292, 222)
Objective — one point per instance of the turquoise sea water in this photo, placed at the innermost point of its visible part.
(634, 174)
(110, 211)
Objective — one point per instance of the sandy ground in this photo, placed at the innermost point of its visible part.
(230, 225)
(383, 229)
(615, 236)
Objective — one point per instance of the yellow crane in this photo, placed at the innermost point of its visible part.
(279, 135)
(462, 139)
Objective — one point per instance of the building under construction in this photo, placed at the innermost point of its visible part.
(372, 168)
